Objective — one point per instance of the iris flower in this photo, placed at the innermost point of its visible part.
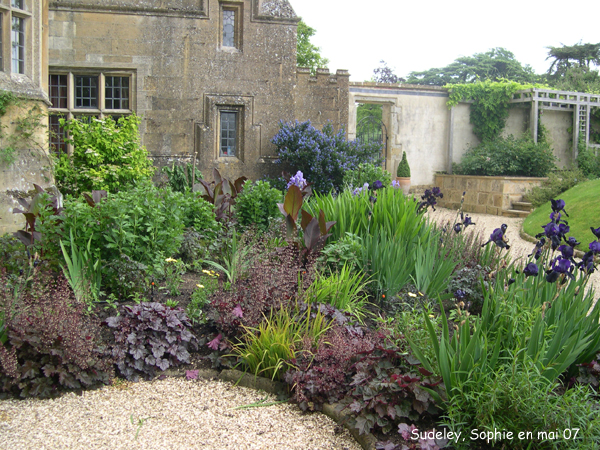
(498, 237)
(531, 270)
(558, 206)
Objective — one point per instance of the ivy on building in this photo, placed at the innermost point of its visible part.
(490, 104)
(26, 127)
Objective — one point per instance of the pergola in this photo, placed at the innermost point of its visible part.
(579, 103)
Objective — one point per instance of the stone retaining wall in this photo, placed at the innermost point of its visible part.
(485, 195)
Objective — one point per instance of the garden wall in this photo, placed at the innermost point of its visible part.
(486, 195)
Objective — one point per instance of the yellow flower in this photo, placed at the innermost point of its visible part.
(410, 294)
(170, 260)
(200, 286)
(206, 271)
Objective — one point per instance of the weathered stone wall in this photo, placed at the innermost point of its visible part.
(31, 166)
(31, 163)
(486, 195)
(183, 77)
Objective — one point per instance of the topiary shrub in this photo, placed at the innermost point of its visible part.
(403, 170)
(257, 205)
(51, 343)
(508, 157)
(150, 336)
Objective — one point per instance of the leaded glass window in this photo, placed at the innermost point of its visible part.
(57, 135)
(18, 45)
(116, 93)
(58, 91)
(228, 28)
(228, 133)
(86, 92)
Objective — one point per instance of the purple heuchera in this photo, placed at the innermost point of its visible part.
(297, 180)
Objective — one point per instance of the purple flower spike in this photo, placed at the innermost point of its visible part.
(297, 180)
(531, 270)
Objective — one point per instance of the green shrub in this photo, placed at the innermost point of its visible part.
(257, 204)
(516, 398)
(346, 251)
(107, 155)
(557, 183)
(367, 173)
(145, 223)
(588, 162)
(13, 254)
(508, 157)
(196, 307)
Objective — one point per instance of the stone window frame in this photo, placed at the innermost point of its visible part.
(9, 10)
(72, 111)
(214, 104)
(238, 9)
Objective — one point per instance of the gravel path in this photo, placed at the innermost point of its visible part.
(175, 413)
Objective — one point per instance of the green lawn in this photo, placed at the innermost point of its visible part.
(583, 206)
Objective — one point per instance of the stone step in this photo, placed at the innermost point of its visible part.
(515, 213)
(522, 206)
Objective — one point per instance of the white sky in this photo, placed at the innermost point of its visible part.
(413, 35)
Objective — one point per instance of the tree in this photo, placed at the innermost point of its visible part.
(384, 74)
(568, 57)
(308, 54)
(498, 63)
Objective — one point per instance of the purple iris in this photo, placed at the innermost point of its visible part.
(555, 217)
(595, 247)
(573, 242)
(297, 180)
(457, 228)
(596, 232)
(531, 270)
(561, 265)
(551, 229)
(377, 185)
(558, 206)
(563, 229)
(566, 250)
(460, 294)
(497, 237)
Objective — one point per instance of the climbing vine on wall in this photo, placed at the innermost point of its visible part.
(489, 109)
(26, 127)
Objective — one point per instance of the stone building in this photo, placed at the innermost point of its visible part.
(23, 104)
(212, 79)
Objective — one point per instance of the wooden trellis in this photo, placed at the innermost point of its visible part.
(578, 103)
